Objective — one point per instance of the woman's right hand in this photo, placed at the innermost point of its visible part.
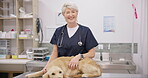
(53, 56)
(44, 70)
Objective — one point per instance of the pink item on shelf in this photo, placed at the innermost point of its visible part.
(12, 29)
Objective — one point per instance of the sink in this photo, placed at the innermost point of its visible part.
(122, 62)
(122, 65)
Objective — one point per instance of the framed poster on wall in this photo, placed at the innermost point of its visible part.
(109, 23)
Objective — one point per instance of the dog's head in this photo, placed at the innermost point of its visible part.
(55, 72)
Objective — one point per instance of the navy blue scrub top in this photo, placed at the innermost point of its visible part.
(69, 46)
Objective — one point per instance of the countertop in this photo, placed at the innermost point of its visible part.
(14, 61)
(104, 75)
(13, 65)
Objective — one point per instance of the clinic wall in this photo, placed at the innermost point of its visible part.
(91, 14)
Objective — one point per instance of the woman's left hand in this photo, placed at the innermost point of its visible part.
(73, 64)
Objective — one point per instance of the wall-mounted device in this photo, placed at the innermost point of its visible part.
(39, 29)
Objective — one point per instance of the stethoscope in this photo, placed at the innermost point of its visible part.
(60, 39)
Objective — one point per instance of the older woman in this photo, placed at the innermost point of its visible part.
(72, 39)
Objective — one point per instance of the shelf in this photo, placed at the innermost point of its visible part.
(7, 38)
(25, 18)
(3, 18)
(25, 38)
(12, 19)
(5, 1)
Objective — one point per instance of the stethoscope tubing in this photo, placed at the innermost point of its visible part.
(60, 38)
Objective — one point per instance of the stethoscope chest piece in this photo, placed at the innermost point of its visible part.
(80, 43)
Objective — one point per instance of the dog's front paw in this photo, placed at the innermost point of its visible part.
(28, 76)
(84, 75)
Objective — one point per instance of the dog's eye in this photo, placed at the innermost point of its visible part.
(60, 72)
(53, 74)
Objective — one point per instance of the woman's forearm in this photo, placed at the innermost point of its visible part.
(90, 53)
(54, 54)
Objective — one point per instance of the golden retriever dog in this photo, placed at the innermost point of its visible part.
(58, 68)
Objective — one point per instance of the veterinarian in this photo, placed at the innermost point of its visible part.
(72, 39)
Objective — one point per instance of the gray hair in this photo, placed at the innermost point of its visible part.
(69, 5)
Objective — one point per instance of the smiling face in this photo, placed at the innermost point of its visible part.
(70, 15)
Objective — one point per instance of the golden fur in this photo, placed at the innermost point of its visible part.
(58, 68)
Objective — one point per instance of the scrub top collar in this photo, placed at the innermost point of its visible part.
(65, 30)
(72, 31)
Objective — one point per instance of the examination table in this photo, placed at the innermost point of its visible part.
(34, 64)
(104, 75)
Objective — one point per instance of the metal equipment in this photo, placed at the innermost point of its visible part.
(40, 53)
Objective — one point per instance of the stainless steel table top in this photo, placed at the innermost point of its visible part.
(36, 63)
(104, 75)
